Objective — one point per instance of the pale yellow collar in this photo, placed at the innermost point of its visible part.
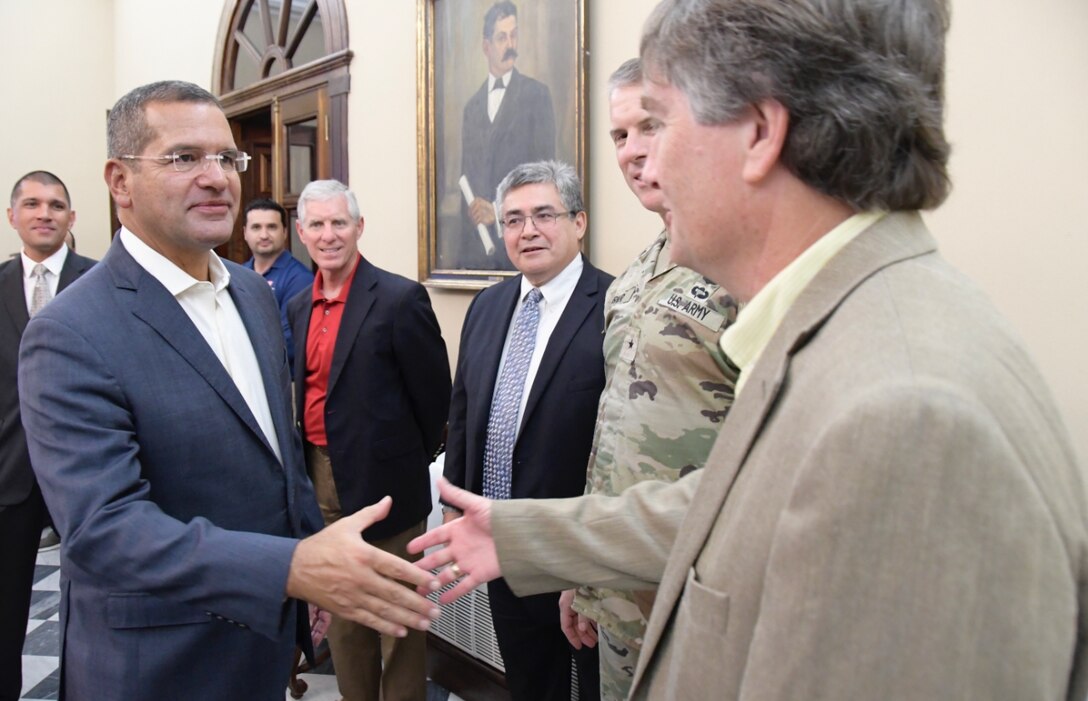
(758, 320)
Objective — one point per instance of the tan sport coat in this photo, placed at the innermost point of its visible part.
(892, 511)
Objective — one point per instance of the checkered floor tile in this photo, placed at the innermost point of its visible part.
(41, 672)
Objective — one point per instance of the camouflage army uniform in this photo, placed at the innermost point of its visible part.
(667, 389)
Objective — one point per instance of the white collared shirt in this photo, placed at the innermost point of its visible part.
(53, 265)
(494, 97)
(210, 307)
(555, 295)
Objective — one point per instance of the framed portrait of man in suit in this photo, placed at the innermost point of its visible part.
(499, 83)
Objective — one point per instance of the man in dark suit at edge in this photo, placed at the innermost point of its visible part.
(41, 213)
(529, 374)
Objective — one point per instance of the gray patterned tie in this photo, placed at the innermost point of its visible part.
(41, 294)
(502, 424)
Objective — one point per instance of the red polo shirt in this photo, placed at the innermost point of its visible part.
(320, 341)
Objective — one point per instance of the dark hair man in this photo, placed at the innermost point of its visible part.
(508, 121)
(157, 411)
(265, 230)
(893, 509)
(529, 374)
(41, 214)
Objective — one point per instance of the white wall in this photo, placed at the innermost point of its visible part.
(56, 83)
(1017, 100)
(1017, 219)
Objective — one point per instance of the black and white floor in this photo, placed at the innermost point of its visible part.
(41, 672)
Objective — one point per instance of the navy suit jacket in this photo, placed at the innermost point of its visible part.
(552, 448)
(16, 477)
(178, 523)
(523, 132)
(387, 398)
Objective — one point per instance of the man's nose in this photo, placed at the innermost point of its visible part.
(650, 170)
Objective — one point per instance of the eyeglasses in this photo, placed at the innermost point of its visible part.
(186, 160)
(541, 220)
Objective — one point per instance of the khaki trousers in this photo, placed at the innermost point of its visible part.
(370, 666)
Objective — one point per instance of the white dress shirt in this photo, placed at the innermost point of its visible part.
(53, 265)
(495, 95)
(556, 293)
(210, 307)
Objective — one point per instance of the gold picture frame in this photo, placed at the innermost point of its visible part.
(454, 62)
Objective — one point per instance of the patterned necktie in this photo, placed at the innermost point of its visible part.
(41, 294)
(502, 424)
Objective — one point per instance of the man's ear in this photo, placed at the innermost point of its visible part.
(118, 182)
(771, 122)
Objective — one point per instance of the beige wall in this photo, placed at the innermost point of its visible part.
(1017, 117)
(56, 82)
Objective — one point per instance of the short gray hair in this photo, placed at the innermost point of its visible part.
(127, 131)
(863, 81)
(324, 190)
(629, 73)
(556, 173)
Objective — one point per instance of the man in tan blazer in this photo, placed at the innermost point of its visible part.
(893, 509)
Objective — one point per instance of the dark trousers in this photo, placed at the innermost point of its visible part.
(534, 650)
(20, 531)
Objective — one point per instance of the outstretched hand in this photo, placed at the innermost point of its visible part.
(468, 555)
(336, 570)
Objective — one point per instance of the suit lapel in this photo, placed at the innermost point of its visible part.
(360, 300)
(492, 343)
(73, 267)
(157, 308)
(265, 347)
(11, 288)
(579, 306)
(896, 238)
(504, 117)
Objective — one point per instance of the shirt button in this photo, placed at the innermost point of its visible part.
(326, 312)
(325, 330)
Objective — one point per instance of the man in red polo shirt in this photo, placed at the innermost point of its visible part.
(372, 401)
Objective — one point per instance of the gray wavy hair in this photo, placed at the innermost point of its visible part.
(863, 81)
(556, 173)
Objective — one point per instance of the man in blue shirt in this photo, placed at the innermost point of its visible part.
(266, 235)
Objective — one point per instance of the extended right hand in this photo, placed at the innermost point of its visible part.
(336, 570)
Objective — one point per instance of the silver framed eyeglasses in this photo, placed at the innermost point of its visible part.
(541, 220)
(186, 160)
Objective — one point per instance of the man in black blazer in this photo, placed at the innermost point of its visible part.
(373, 387)
(508, 121)
(42, 214)
(534, 440)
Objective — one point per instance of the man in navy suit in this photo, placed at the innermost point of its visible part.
(156, 402)
(41, 213)
(508, 121)
(373, 389)
(541, 450)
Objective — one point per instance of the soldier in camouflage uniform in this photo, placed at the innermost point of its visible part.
(668, 384)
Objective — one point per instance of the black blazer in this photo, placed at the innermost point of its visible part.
(552, 450)
(388, 394)
(16, 477)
